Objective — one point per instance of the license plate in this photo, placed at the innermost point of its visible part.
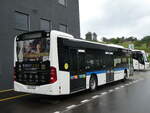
(31, 87)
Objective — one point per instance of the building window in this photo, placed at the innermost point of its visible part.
(45, 25)
(21, 21)
(63, 28)
(63, 2)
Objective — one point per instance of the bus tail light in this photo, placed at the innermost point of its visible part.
(53, 75)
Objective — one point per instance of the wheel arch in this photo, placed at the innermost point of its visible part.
(95, 75)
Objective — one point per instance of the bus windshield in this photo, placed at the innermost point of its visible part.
(33, 49)
(145, 58)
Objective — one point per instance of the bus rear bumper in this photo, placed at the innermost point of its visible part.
(50, 89)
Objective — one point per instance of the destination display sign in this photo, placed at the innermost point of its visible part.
(33, 35)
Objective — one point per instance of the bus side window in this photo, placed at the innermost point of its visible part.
(102, 59)
(81, 62)
(89, 62)
(93, 60)
(97, 60)
(107, 60)
(63, 56)
(117, 59)
(73, 61)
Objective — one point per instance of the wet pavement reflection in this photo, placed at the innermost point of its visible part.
(119, 97)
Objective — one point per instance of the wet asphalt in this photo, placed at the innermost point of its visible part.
(131, 96)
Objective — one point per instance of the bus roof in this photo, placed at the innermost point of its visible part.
(71, 41)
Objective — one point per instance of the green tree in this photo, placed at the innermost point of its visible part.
(131, 39)
(104, 39)
(114, 40)
(94, 36)
(146, 39)
(89, 36)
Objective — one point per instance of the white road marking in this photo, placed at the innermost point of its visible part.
(111, 90)
(133, 82)
(136, 80)
(121, 86)
(104, 93)
(70, 107)
(57, 112)
(130, 83)
(96, 96)
(117, 88)
(84, 101)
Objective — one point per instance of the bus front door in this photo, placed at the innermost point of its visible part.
(77, 72)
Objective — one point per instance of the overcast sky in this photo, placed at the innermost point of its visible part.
(115, 18)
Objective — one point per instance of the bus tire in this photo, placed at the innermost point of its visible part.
(93, 83)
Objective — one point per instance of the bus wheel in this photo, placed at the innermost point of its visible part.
(93, 83)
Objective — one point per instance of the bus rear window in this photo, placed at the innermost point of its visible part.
(33, 50)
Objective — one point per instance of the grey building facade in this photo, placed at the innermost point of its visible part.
(18, 16)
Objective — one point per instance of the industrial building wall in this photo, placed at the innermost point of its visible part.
(35, 10)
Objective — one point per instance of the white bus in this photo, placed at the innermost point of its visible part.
(56, 63)
(140, 61)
